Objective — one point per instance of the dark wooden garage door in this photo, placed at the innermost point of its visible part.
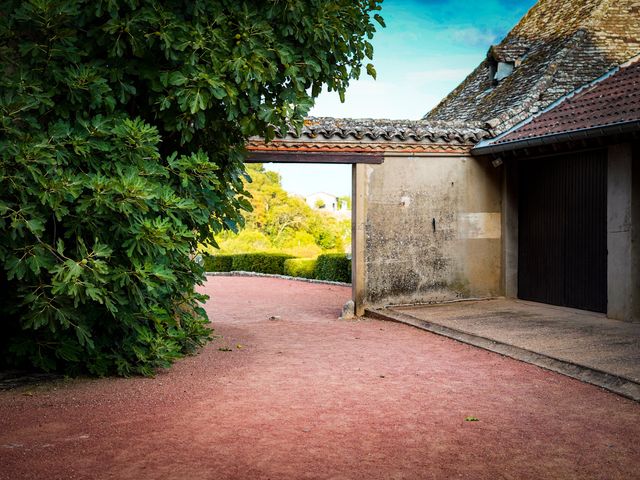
(562, 239)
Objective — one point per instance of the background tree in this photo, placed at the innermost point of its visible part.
(121, 145)
(282, 223)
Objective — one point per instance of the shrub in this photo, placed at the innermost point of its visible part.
(122, 133)
(333, 266)
(245, 241)
(260, 262)
(218, 263)
(300, 267)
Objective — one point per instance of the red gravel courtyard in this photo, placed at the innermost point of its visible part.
(308, 396)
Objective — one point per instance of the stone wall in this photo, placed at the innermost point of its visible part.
(432, 229)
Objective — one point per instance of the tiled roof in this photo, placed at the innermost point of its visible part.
(613, 100)
(557, 47)
(391, 130)
(349, 136)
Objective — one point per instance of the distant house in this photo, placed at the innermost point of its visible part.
(523, 182)
(328, 203)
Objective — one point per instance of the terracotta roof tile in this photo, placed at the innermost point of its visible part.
(383, 130)
(613, 100)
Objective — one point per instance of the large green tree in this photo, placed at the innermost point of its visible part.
(121, 147)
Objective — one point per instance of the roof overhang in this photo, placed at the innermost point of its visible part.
(613, 130)
(280, 156)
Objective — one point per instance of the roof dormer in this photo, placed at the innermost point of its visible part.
(499, 68)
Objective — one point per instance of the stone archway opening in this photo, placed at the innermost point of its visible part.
(425, 214)
(281, 153)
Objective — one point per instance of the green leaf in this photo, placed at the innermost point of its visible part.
(177, 78)
(368, 50)
(371, 71)
(84, 338)
(35, 225)
(73, 271)
(36, 262)
(101, 250)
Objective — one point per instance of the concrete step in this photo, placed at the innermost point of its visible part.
(614, 383)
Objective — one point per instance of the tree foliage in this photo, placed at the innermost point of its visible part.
(121, 145)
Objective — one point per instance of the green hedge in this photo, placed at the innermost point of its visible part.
(329, 266)
(300, 267)
(333, 266)
(260, 262)
(218, 263)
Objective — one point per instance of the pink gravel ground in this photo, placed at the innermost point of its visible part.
(310, 396)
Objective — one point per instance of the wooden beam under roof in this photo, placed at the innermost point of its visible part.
(313, 157)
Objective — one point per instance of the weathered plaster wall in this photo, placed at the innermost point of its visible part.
(432, 229)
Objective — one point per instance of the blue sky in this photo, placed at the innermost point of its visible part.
(427, 49)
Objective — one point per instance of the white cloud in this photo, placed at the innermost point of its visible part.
(439, 75)
(471, 36)
(369, 99)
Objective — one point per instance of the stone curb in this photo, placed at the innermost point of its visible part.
(620, 385)
(273, 275)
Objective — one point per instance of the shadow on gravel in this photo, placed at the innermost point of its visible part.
(11, 379)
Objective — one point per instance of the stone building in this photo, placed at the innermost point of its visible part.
(571, 198)
(515, 185)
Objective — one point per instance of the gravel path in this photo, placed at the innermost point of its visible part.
(308, 396)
